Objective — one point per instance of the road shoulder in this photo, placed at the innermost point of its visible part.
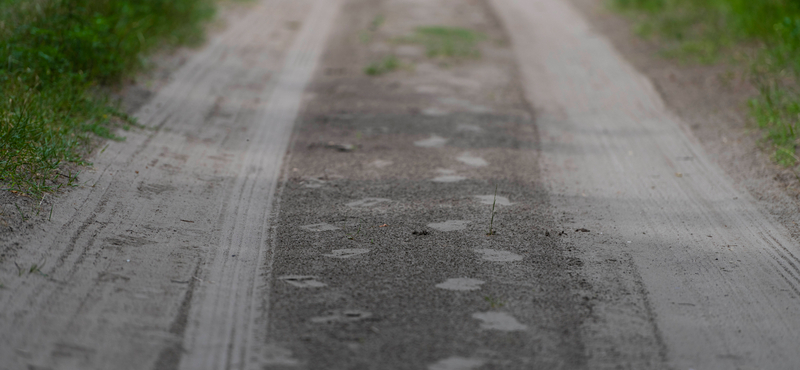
(711, 101)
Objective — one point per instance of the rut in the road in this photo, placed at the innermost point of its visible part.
(386, 207)
(722, 276)
(155, 262)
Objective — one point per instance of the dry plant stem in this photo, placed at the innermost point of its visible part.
(491, 221)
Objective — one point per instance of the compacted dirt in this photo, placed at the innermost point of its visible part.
(711, 101)
(535, 205)
(381, 253)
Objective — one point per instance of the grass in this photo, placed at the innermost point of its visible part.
(449, 42)
(494, 303)
(56, 57)
(353, 236)
(385, 65)
(35, 268)
(367, 35)
(705, 31)
(439, 42)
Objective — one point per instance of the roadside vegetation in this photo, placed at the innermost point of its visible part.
(56, 57)
(762, 35)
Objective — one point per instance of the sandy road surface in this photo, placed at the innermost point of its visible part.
(722, 276)
(157, 262)
(618, 244)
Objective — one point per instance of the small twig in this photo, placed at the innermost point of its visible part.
(491, 221)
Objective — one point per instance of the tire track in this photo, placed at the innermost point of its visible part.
(721, 274)
(148, 215)
(223, 318)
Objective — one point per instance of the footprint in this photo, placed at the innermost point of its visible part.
(380, 163)
(446, 175)
(313, 183)
(346, 253)
(342, 316)
(469, 128)
(498, 256)
(461, 284)
(435, 112)
(449, 225)
(498, 321)
(368, 202)
(434, 141)
(489, 199)
(470, 160)
(303, 281)
(457, 363)
(448, 178)
(319, 227)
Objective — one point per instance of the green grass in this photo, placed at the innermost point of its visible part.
(447, 41)
(707, 30)
(35, 268)
(439, 42)
(385, 65)
(366, 35)
(494, 303)
(56, 55)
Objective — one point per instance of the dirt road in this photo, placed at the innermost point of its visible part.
(285, 210)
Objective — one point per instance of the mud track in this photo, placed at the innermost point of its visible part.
(284, 210)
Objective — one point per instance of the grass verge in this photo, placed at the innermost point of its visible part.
(706, 30)
(56, 55)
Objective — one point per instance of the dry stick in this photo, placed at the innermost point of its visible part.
(491, 221)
